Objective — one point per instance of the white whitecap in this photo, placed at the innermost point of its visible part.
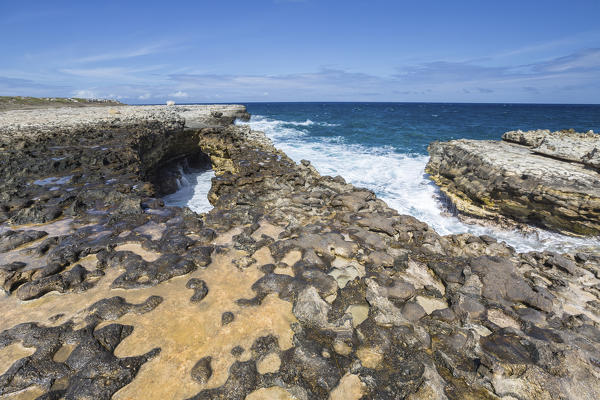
(193, 191)
(400, 180)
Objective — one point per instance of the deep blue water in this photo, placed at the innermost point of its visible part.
(410, 127)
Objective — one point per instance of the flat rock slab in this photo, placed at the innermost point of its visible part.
(31, 122)
(490, 178)
(573, 146)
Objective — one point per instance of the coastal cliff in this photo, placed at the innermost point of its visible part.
(537, 177)
(295, 285)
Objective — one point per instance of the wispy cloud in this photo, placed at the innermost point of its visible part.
(85, 94)
(585, 60)
(572, 77)
(179, 94)
(118, 74)
(419, 82)
(126, 54)
(589, 36)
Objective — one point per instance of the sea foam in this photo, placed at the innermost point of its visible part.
(397, 178)
(192, 191)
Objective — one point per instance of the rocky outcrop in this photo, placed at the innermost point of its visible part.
(568, 145)
(536, 177)
(295, 285)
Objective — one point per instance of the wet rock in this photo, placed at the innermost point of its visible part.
(114, 307)
(510, 348)
(387, 314)
(445, 314)
(563, 263)
(242, 380)
(140, 273)
(237, 351)
(72, 279)
(91, 369)
(316, 373)
(400, 290)
(468, 307)
(37, 213)
(12, 239)
(311, 309)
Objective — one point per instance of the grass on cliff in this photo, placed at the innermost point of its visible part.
(25, 103)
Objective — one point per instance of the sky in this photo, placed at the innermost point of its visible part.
(303, 50)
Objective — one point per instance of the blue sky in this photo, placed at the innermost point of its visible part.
(303, 50)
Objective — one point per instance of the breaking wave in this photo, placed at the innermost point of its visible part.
(397, 178)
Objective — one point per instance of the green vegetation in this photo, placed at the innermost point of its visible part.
(23, 103)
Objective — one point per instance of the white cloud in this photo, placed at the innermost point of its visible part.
(146, 74)
(570, 78)
(179, 94)
(142, 51)
(85, 94)
(96, 72)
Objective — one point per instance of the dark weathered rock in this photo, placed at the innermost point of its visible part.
(11, 239)
(202, 371)
(91, 369)
(200, 289)
(227, 317)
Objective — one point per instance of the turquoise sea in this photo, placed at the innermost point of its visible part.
(383, 147)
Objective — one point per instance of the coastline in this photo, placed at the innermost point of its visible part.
(339, 140)
(337, 290)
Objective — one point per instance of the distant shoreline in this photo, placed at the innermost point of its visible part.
(31, 103)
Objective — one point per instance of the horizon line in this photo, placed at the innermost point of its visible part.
(369, 102)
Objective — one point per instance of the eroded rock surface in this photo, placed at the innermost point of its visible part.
(546, 179)
(294, 286)
(568, 145)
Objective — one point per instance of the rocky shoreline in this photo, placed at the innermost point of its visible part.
(547, 179)
(294, 286)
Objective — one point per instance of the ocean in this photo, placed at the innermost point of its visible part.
(383, 147)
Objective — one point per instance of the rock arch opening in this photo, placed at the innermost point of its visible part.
(185, 182)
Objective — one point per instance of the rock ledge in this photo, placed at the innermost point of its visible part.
(536, 177)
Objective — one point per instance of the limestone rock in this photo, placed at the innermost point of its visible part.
(491, 179)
